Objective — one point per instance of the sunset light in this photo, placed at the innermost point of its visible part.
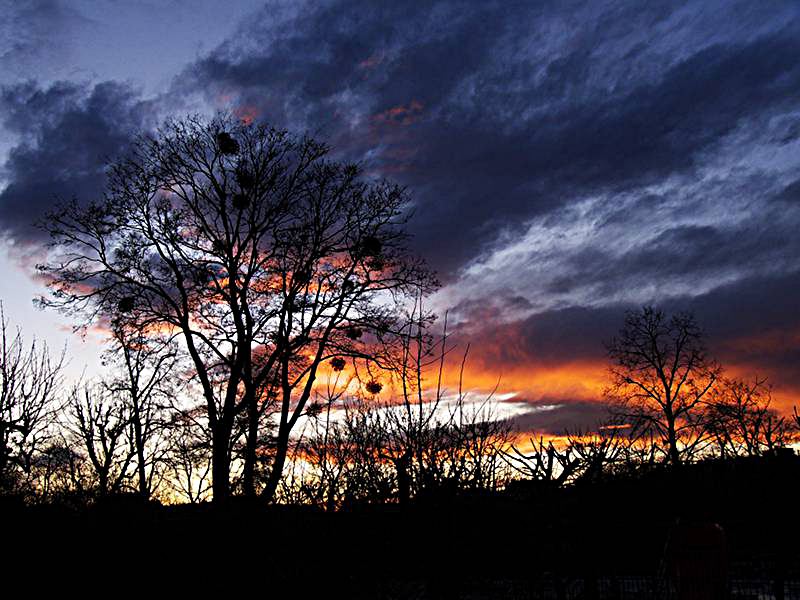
(420, 299)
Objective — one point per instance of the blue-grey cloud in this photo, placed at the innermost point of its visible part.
(66, 134)
(495, 115)
(35, 37)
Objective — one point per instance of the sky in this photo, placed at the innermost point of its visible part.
(568, 160)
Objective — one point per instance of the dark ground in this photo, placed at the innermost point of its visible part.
(620, 538)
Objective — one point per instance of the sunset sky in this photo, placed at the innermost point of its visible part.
(568, 160)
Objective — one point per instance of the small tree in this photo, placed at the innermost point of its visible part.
(660, 378)
(189, 456)
(30, 382)
(100, 425)
(546, 463)
(144, 383)
(741, 420)
(260, 254)
(62, 473)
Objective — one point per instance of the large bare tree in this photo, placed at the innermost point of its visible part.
(661, 377)
(262, 255)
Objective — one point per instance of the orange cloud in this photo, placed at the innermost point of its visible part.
(372, 61)
(767, 354)
(247, 113)
(535, 371)
(400, 115)
(570, 381)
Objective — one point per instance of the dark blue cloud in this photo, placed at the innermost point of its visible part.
(66, 134)
(507, 129)
(751, 325)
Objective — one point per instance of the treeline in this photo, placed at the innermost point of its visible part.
(136, 430)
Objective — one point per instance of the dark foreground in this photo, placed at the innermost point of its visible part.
(721, 529)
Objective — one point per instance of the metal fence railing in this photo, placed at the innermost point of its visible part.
(655, 588)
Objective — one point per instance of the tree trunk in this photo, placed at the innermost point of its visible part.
(402, 466)
(672, 440)
(144, 490)
(102, 482)
(276, 472)
(249, 471)
(5, 452)
(220, 464)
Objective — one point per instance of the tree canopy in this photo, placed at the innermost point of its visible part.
(660, 377)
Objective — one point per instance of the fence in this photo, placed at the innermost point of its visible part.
(654, 588)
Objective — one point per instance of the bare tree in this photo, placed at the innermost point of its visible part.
(239, 239)
(145, 382)
(575, 456)
(412, 423)
(546, 463)
(475, 439)
(349, 458)
(189, 456)
(62, 474)
(640, 450)
(257, 427)
(411, 439)
(598, 451)
(30, 382)
(461, 447)
(330, 448)
(101, 426)
(741, 420)
(397, 433)
(661, 376)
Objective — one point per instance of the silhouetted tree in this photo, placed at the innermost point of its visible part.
(189, 456)
(546, 463)
(62, 473)
(30, 382)
(145, 382)
(346, 456)
(436, 439)
(640, 450)
(796, 420)
(100, 425)
(577, 456)
(741, 421)
(262, 255)
(661, 376)
(258, 426)
(598, 451)
(418, 439)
